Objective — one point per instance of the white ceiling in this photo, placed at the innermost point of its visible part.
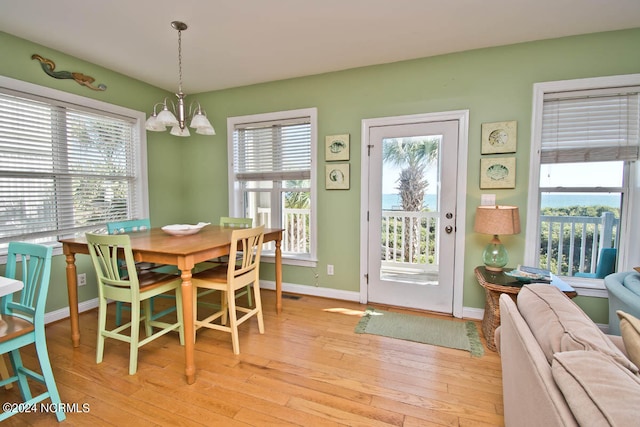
(235, 43)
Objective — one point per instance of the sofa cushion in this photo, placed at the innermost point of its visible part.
(630, 329)
(599, 390)
(632, 282)
(558, 324)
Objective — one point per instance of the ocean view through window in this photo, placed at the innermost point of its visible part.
(582, 178)
(392, 201)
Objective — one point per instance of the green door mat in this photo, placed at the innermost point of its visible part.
(427, 330)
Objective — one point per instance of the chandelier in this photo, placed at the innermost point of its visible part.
(158, 122)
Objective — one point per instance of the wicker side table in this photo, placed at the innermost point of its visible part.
(496, 284)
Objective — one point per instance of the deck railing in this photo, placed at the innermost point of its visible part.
(295, 239)
(410, 240)
(580, 238)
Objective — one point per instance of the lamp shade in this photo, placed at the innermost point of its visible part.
(153, 125)
(167, 118)
(175, 130)
(497, 220)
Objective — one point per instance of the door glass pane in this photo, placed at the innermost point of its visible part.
(410, 199)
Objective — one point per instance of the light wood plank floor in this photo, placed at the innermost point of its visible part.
(308, 369)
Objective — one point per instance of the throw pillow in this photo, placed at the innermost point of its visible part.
(558, 324)
(630, 330)
(599, 391)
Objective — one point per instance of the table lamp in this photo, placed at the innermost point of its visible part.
(496, 220)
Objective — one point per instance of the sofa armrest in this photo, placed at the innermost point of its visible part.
(526, 372)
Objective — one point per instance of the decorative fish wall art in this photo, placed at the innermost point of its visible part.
(48, 66)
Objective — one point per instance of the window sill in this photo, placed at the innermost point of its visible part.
(587, 287)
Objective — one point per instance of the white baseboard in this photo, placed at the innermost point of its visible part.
(467, 312)
(313, 291)
(472, 313)
(64, 313)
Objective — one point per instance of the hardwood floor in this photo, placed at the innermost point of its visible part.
(308, 369)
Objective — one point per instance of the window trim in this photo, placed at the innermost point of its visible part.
(139, 117)
(629, 249)
(235, 208)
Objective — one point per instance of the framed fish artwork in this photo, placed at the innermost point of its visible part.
(336, 147)
(498, 172)
(499, 137)
(337, 176)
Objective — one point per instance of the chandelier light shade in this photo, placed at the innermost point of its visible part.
(158, 121)
(496, 220)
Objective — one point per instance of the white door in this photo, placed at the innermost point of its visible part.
(412, 192)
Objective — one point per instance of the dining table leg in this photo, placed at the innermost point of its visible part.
(72, 291)
(189, 333)
(278, 276)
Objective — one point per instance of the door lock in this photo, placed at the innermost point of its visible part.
(448, 229)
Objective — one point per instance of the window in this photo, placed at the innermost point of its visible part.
(583, 160)
(273, 176)
(68, 164)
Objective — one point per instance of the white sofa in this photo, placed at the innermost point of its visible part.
(558, 368)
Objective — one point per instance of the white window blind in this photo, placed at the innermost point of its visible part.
(63, 169)
(595, 125)
(276, 150)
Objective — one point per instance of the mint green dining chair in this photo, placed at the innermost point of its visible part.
(133, 226)
(24, 317)
(104, 250)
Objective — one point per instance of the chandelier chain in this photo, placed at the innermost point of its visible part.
(179, 61)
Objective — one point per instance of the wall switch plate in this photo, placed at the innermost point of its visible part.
(487, 200)
(330, 269)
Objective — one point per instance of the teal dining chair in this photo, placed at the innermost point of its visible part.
(24, 317)
(132, 226)
(105, 251)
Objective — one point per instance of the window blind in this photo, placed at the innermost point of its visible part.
(598, 125)
(62, 169)
(275, 150)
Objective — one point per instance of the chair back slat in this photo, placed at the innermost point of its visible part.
(33, 261)
(105, 251)
(248, 262)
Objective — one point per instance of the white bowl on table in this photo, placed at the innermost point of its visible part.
(184, 229)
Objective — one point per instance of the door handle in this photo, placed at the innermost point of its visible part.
(448, 229)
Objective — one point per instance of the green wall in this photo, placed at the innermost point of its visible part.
(188, 178)
(165, 175)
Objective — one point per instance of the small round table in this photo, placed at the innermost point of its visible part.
(496, 283)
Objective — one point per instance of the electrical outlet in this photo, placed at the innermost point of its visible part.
(82, 279)
(330, 269)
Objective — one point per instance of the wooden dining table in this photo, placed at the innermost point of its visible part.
(156, 246)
